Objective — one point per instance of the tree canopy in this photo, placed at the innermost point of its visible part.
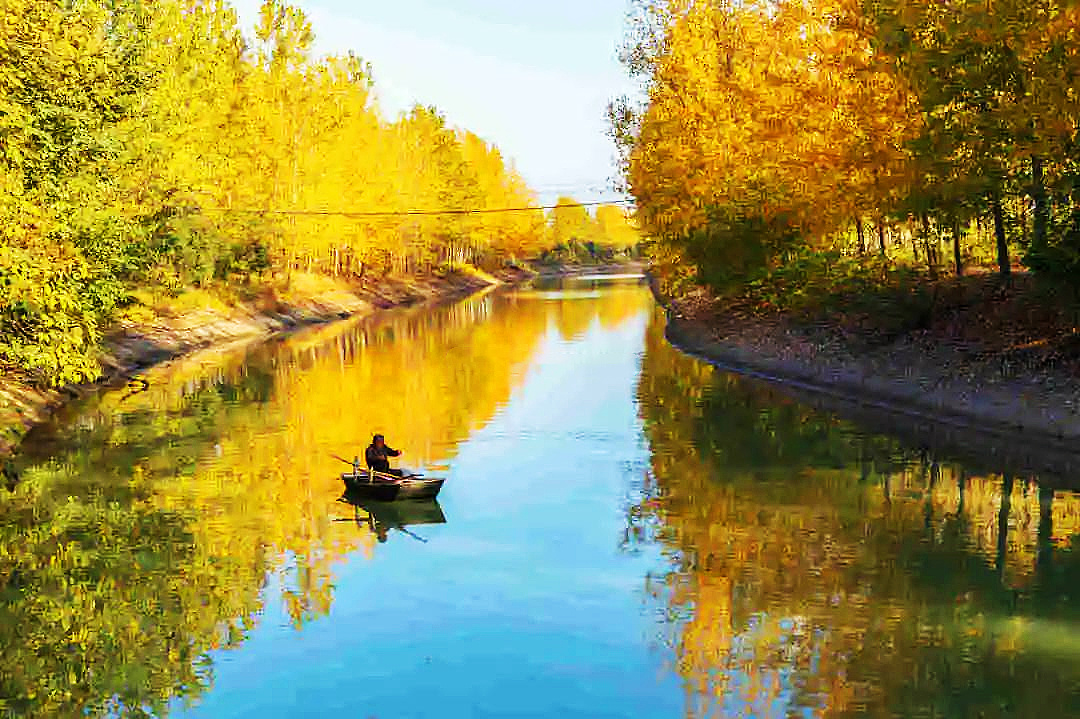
(866, 127)
(160, 146)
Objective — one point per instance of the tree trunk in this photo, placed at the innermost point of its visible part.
(1042, 210)
(1075, 204)
(1004, 264)
(961, 487)
(927, 249)
(1023, 223)
(1045, 534)
(881, 237)
(956, 248)
(1003, 520)
(862, 237)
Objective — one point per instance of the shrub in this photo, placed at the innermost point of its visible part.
(50, 310)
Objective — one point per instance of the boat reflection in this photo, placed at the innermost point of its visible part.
(381, 517)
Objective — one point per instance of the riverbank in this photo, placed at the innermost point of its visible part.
(558, 269)
(963, 368)
(141, 340)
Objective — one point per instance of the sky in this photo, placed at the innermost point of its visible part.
(533, 78)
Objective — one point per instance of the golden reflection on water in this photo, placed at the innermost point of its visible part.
(816, 571)
(145, 526)
(809, 569)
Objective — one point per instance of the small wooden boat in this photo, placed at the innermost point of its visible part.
(388, 487)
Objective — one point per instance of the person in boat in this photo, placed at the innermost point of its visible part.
(378, 456)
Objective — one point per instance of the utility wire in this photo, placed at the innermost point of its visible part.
(412, 213)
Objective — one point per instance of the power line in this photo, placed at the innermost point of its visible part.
(574, 187)
(412, 213)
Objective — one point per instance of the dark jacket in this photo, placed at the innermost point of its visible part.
(377, 459)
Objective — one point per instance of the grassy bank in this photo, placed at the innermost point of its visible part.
(160, 328)
(969, 352)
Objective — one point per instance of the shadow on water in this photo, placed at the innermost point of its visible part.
(382, 517)
(818, 567)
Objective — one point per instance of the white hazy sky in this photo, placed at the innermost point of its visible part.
(534, 78)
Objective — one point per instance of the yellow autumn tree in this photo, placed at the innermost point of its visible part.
(150, 148)
(768, 125)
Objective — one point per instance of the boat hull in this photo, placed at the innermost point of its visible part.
(419, 488)
(390, 490)
(374, 491)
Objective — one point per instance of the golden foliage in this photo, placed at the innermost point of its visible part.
(770, 127)
(151, 535)
(815, 570)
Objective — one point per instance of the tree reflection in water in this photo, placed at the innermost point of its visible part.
(820, 571)
(145, 529)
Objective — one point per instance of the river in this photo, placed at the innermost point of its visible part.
(625, 531)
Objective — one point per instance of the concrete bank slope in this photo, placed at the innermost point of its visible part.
(129, 349)
(934, 391)
(931, 382)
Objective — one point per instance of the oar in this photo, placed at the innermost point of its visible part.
(402, 529)
(354, 465)
(342, 459)
(394, 477)
(390, 477)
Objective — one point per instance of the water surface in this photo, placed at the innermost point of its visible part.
(628, 533)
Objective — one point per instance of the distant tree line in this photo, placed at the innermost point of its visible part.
(577, 235)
